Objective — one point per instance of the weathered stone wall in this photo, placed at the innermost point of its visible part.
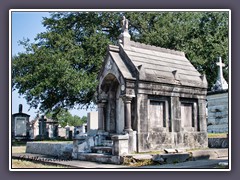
(218, 143)
(174, 131)
(217, 112)
(52, 149)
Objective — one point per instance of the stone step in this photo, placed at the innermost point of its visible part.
(107, 143)
(102, 149)
(171, 158)
(101, 158)
(209, 153)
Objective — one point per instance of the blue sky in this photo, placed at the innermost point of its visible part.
(28, 25)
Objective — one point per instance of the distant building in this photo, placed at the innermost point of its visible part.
(20, 125)
(217, 103)
(80, 129)
(92, 122)
(44, 127)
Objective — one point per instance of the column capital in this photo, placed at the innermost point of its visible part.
(102, 96)
(127, 98)
(101, 102)
(100, 105)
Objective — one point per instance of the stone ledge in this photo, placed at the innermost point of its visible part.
(209, 154)
(157, 158)
(171, 158)
(218, 142)
(102, 158)
(51, 149)
(120, 137)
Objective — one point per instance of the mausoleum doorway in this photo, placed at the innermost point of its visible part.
(114, 107)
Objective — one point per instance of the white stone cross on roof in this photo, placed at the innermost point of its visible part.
(221, 83)
(220, 64)
(220, 70)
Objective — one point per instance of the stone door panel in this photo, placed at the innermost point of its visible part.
(20, 127)
(186, 114)
(157, 115)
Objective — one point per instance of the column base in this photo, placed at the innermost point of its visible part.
(132, 141)
(127, 131)
(100, 131)
(120, 145)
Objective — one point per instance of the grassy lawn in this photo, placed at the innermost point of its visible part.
(27, 164)
(18, 149)
(19, 143)
(217, 135)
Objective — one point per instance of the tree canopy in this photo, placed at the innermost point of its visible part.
(59, 69)
(64, 117)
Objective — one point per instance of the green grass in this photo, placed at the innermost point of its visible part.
(27, 164)
(136, 163)
(221, 167)
(19, 143)
(217, 135)
(18, 149)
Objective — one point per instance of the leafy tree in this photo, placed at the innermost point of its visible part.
(84, 119)
(203, 36)
(59, 69)
(64, 117)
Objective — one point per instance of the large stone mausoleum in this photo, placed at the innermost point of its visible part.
(151, 96)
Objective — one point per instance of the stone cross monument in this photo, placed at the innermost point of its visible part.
(221, 83)
(42, 127)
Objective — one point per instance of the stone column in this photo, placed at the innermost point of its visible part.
(101, 115)
(127, 107)
(127, 124)
(175, 114)
(202, 115)
(176, 124)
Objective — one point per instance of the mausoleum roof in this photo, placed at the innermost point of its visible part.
(120, 63)
(150, 63)
(156, 64)
(20, 115)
